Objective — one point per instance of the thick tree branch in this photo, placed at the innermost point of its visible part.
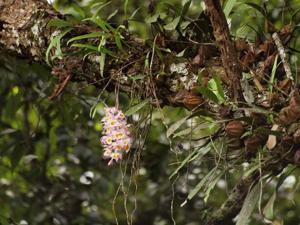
(234, 202)
(227, 47)
(24, 31)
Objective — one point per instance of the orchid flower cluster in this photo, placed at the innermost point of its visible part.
(116, 136)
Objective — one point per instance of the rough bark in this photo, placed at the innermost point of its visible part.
(24, 31)
(226, 46)
(232, 206)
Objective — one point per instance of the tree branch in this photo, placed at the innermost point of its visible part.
(226, 46)
(24, 31)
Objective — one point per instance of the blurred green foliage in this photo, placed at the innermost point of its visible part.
(51, 168)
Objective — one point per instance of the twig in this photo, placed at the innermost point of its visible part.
(282, 55)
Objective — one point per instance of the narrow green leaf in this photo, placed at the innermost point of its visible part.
(196, 154)
(102, 55)
(152, 19)
(293, 18)
(77, 9)
(176, 125)
(284, 175)
(94, 48)
(106, 51)
(125, 7)
(228, 7)
(4, 221)
(55, 43)
(17, 152)
(272, 78)
(86, 36)
(215, 86)
(136, 107)
(185, 161)
(249, 205)
(58, 23)
(87, 46)
(146, 63)
(184, 132)
(137, 77)
(102, 64)
(134, 13)
(99, 6)
(211, 185)
(251, 170)
(257, 7)
(185, 8)
(172, 25)
(201, 184)
(171, 6)
(112, 14)
(101, 23)
(206, 92)
(118, 41)
(268, 210)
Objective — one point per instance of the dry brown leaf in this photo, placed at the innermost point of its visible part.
(272, 140)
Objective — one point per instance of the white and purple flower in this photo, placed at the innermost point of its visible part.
(116, 138)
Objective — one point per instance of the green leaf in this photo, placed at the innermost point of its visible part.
(183, 25)
(206, 92)
(176, 125)
(17, 152)
(251, 170)
(199, 152)
(94, 48)
(29, 158)
(4, 221)
(152, 19)
(136, 107)
(209, 129)
(137, 77)
(268, 210)
(118, 41)
(55, 43)
(134, 13)
(125, 7)
(102, 55)
(86, 36)
(58, 23)
(99, 6)
(171, 6)
(75, 8)
(257, 7)
(185, 8)
(87, 46)
(112, 14)
(272, 78)
(184, 132)
(293, 18)
(185, 161)
(172, 25)
(93, 111)
(101, 23)
(211, 185)
(229, 6)
(201, 184)
(249, 205)
(283, 176)
(215, 86)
